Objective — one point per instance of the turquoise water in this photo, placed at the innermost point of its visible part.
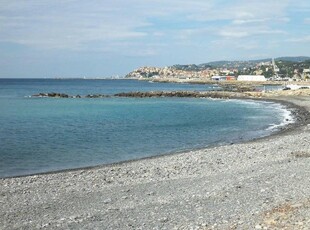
(47, 134)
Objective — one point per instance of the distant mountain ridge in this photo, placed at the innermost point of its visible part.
(291, 59)
(236, 64)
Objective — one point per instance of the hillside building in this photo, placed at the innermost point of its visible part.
(223, 78)
(251, 78)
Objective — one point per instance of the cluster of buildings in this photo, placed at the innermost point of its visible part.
(218, 74)
(240, 78)
(171, 72)
(261, 71)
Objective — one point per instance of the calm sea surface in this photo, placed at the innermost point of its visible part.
(47, 134)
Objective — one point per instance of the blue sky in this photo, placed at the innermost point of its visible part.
(76, 38)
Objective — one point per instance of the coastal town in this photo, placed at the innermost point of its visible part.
(280, 69)
(155, 115)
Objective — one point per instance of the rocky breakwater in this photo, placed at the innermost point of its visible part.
(138, 94)
(195, 94)
(63, 95)
(59, 95)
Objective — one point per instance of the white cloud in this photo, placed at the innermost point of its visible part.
(82, 25)
(244, 10)
(248, 21)
(301, 39)
(300, 6)
(242, 32)
(234, 34)
(248, 46)
(260, 21)
(68, 27)
(244, 45)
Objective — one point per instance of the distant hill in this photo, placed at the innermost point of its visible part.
(192, 67)
(293, 59)
(234, 64)
(251, 63)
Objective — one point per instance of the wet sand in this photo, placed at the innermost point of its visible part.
(262, 184)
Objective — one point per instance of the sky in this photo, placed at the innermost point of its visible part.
(78, 38)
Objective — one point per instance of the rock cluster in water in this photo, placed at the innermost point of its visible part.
(212, 94)
(229, 91)
(196, 94)
(63, 95)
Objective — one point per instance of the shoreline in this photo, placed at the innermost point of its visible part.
(299, 116)
(251, 185)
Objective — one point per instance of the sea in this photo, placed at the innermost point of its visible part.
(39, 135)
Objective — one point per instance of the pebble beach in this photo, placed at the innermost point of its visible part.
(262, 184)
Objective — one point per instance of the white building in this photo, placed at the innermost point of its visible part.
(251, 78)
(306, 73)
(219, 78)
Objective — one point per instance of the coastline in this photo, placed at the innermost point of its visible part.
(198, 188)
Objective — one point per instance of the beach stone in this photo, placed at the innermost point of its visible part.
(258, 226)
(107, 201)
(152, 193)
(164, 219)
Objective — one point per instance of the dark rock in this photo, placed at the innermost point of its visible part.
(194, 94)
(52, 94)
(96, 96)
